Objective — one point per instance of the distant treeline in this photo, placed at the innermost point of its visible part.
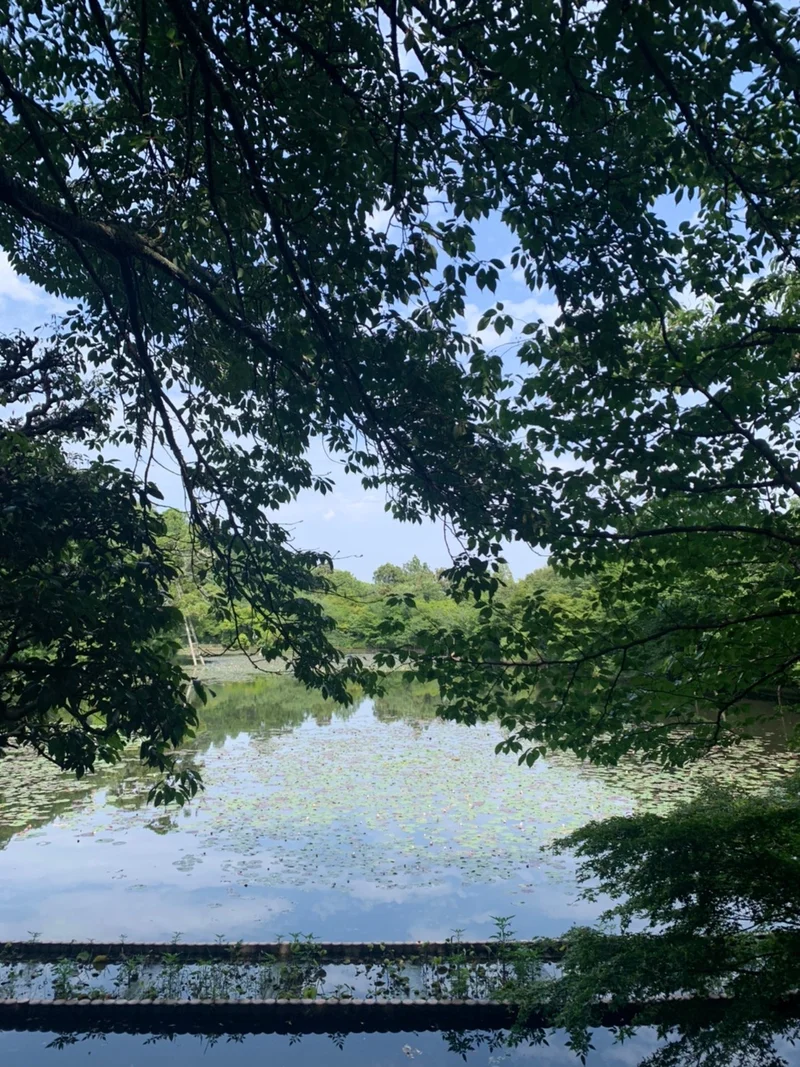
(412, 597)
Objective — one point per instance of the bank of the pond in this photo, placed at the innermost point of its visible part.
(215, 664)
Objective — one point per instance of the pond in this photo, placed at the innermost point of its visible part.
(426, 1049)
(374, 822)
(352, 1050)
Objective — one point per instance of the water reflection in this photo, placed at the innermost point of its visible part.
(707, 1045)
(33, 793)
(696, 1042)
(373, 821)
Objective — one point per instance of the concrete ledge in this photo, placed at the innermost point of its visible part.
(356, 951)
(254, 1016)
(84, 1015)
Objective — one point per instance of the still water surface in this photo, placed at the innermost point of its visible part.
(375, 822)
(434, 1049)
(310, 1050)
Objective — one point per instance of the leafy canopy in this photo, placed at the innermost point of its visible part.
(707, 900)
(209, 189)
(86, 661)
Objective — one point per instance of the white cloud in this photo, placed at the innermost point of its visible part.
(14, 287)
(329, 514)
(380, 220)
(531, 309)
(375, 893)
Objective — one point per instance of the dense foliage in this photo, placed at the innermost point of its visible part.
(201, 187)
(266, 223)
(87, 662)
(662, 408)
(716, 881)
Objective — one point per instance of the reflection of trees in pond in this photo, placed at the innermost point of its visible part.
(402, 699)
(269, 708)
(270, 704)
(277, 704)
(776, 726)
(732, 1042)
(33, 792)
(696, 1041)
